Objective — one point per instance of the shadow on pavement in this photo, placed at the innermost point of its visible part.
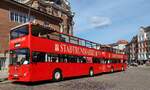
(51, 81)
(48, 81)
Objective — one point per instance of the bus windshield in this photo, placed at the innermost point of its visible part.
(19, 32)
(19, 56)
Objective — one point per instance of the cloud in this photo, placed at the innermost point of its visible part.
(92, 23)
(98, 22)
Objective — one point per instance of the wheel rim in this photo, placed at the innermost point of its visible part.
(91, 73)
(122, 68)
(57, 75)
(112, 70)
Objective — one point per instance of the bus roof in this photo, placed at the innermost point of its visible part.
(20, 25)
(33, 23)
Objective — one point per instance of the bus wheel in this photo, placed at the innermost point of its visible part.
(57, 75)
(122, 68)
(91, 72)
(112, 70)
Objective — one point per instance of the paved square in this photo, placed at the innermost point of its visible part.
(135, 78)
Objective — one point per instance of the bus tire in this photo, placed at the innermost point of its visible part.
(91, 72)
(57, 75)
(112, 70)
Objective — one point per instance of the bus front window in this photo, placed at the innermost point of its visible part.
(19, 56)
(19, 32)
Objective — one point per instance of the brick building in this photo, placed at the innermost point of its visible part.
(53, 13)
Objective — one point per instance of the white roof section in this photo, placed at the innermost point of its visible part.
(20, 25)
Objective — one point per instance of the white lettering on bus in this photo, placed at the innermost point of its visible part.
(75, 50)
(56, 47)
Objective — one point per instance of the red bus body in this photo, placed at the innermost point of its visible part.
(39, 71)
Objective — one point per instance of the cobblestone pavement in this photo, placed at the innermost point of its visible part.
(135, 78)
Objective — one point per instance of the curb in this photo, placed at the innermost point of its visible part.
(3, 79)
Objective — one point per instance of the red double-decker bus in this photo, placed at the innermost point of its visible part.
(39, 53)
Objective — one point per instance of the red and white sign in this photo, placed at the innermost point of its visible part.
(70, 49)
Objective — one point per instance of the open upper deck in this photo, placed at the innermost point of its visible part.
(48, 33)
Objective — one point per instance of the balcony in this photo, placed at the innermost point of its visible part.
(43, 4)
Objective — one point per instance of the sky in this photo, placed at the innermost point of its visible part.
(107, 21)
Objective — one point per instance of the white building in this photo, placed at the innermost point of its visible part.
(121, 44)
(142, 49)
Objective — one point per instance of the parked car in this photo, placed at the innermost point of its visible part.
(134, 64)
(148, 63)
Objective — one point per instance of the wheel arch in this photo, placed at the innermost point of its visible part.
(57, 70)
(91, 68)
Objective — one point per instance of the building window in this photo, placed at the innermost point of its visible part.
(19, 1)
(58, 2)
(59, 14)
(12, 16)
(61, 28)
(20, 17)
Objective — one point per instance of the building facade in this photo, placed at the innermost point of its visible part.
(147, 31)
(132, 50)
(138, 49)
(55, 14)
(142, 46)
(120, 44)
(57, 8)
(52, 13)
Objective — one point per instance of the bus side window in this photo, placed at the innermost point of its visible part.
(55, 58)
(82, 60)
(96, 60)
(125, 61)
(38, 57)
(108, 61)
(105, 61)
(78, 60)
(113, 61)
(102, 61)
(49, 59)
(121, 61)
(63, 58)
